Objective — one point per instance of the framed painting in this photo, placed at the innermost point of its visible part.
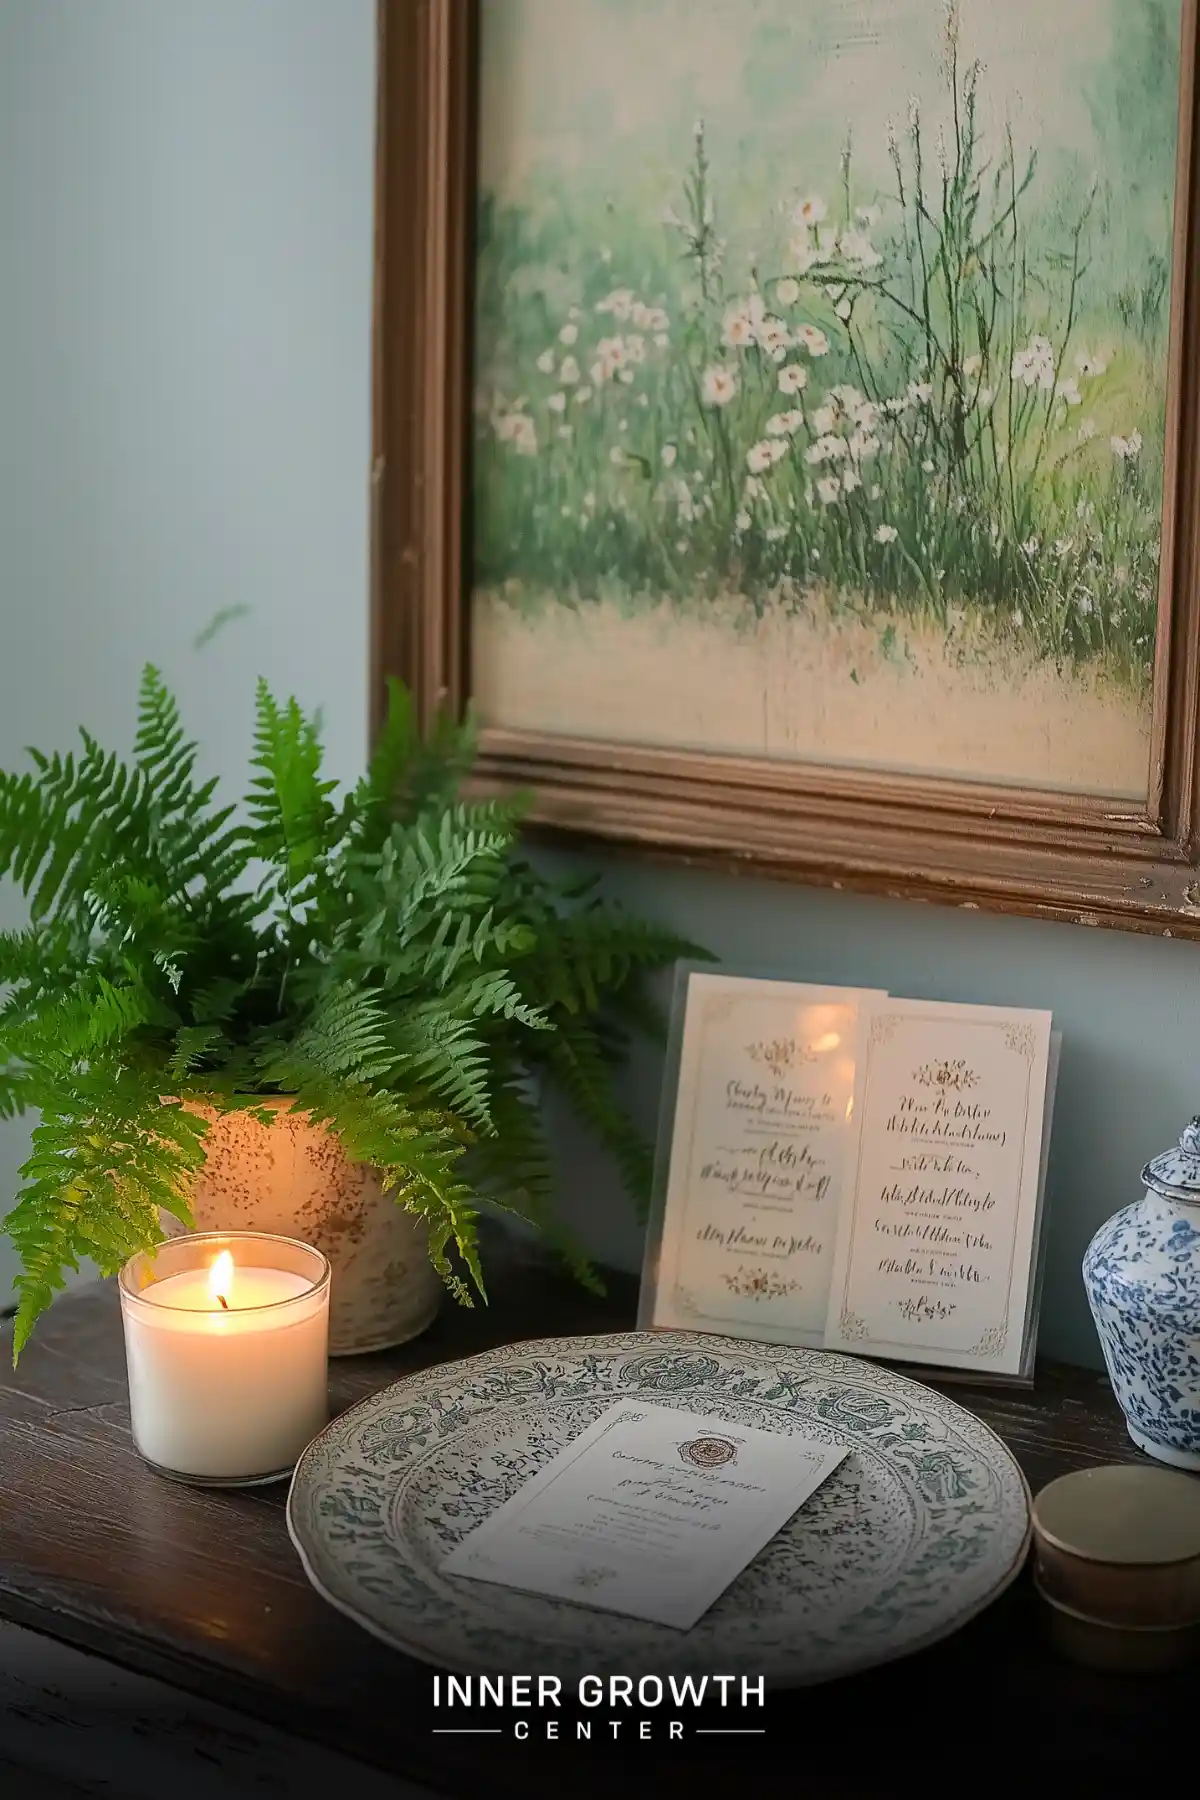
(785, 425)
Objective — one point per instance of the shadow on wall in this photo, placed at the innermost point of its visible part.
(1125, 1004)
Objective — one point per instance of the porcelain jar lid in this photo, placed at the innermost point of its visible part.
(1123, 1514)
(1176, 1173)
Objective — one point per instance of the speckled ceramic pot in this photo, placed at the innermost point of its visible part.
(294, 1178)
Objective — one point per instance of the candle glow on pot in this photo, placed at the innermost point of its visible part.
(227, 1354)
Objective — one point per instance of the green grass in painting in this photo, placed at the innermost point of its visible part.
(919, 406)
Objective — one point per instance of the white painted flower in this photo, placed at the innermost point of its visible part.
(1127, 448)
(545, 362)
(661, 340)
(886, 534)
(774, 337)
(1031, 546)
(742, 321)
(568, 374)
(843, 309)
(582, 395)
(765, 454)
(1034, 366)
(862, 446)
(877, 492)
(1084, 604)
(1068, 392)
(635, 348)
(619, 303)
(812, 339)
(829, 490)
(811, 251)
(776, 534)
(611, 351)
(557, 403)
(655, 319)
(857, 248)
(793, 378)
(1063, 546)
(848, 401)
(1018, 618)
(718, 385)
(787, 291)
(785, 424)
(754, 489)
(972, 365)
(668, 454)
(568, 335)
(616, 455)
(920, 393)
(743, 521)
(566, 432)
(524, 439)
(1087, 430)
(599, 375)
(825, 419)
(1089, 365)
(826, 449)
(986, 397)
(810, 211)
(927, 465)
(898, 404)
(625, 375)
(851, 479)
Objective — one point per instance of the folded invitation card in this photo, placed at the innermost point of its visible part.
(650, 1512)
(758, 1152)
(936, 1254)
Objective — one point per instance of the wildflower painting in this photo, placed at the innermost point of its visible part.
(821, 379)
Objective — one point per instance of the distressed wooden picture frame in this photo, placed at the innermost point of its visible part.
(1053, 854)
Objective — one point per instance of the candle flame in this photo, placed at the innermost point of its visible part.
(220, 1277)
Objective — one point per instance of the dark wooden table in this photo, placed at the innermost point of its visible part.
(204, 1591)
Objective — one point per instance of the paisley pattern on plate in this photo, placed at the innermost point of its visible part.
(923, 1524)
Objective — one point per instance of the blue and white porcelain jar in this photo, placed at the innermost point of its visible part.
(1142, 1275)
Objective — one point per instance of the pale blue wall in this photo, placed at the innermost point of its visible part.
(185, 199)
(185, 295)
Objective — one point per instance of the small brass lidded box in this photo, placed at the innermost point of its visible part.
(1117, 1554)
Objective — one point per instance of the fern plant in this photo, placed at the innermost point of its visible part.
(386, 957)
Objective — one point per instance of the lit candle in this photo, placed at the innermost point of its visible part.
(226, 1344)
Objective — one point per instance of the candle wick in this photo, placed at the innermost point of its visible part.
(224, 1301)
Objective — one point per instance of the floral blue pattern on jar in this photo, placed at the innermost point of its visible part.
(1142, 1275)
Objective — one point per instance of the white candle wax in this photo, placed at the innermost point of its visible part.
(228, 1392)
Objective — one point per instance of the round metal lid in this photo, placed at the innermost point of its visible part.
(1176, 1173)
(1122, 1513)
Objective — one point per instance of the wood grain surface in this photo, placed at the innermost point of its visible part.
(203, 1591)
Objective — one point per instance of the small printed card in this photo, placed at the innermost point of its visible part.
(650, 1513)
(759, 1148)
(937, 1238)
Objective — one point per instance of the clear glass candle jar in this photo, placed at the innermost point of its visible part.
(227, 1345)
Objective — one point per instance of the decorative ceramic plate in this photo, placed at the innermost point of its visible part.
(924, 1523)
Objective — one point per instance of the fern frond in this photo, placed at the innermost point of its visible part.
(515, 1170)
(288, 802)
(575, 1061)
(94, 1183)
